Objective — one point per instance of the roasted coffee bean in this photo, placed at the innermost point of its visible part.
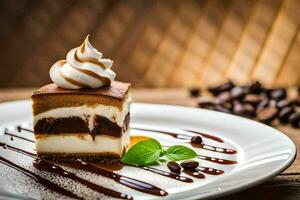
(238, 109)
(221, 88)
(272, 103)
(204, 102)
(223, 98)
(267, 115)
(294, 119)
(283, 103)
(267, 92)
(255, 88)
(174, 167)
(228, 105)
(263, 104)
(246, 110)
(253, 99)
(196, 139)
(189, 164)
(249, 109)
(195, 92)
(278, 94)
(296, 102)
(238, 92)
(285, 113)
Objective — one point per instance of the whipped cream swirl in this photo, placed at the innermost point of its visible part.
(84, 67)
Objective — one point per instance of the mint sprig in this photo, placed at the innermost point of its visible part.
(148, 152)
(145, 152)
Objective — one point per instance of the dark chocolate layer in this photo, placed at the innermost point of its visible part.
(61, 125)
(102, 126)
(107, 158)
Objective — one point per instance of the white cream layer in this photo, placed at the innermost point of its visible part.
(85, 112)
(85, 144)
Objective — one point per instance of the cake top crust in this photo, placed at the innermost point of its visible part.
(117, 90)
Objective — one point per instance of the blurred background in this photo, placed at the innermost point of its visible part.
(168, 43)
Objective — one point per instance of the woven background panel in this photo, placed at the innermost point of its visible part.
(169, 43)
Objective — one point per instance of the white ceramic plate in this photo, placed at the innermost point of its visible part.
(262, 152)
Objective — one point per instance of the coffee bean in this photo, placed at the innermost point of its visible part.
(189, 164)
(267, 115)
(285, 113)
(196, 140)
(174, 167)
(221, 88)
(249, 109)
(267, 91)
(253, 99)
(278, 94)
(238, 92)
(204, 102)
(263, 104)
(255, 88)
(238, 109)
(272, 103)
(283, 103)
(194, 92)
(294, 119)
(228, 106)
(224, 97)
(296, 102)
(246, 110)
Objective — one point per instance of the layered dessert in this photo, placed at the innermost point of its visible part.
(84, 114)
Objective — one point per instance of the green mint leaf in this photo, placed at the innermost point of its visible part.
(179, 152)
(143, 153)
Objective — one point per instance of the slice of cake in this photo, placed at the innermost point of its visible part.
(85, 113)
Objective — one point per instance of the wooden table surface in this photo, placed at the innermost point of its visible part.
(285, 186)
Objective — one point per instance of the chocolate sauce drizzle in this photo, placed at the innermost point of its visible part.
(124, 180)
(198, 173)
(43, 165)
(188, 137)
(183, 136)
(26, 153)
(168, 174)
(19, 128)
(46, 183)
(195, 174)
(217, 160)
(211, 171)
(16, 136)
(214, 148)
(212, 137)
